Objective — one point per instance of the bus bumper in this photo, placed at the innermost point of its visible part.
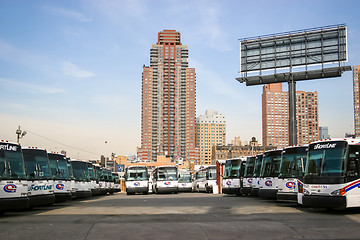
(254, 192)
(8, 204)
(246, 190)
(167, 190)
(83, 194)
(268, 193)
(137, 190)
(291, 197)
(62, 197)
(324, 201)
(231, 190)
(95, 191)
(41, 200)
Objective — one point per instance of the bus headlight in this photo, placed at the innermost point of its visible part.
(306, 192)
(335, 193)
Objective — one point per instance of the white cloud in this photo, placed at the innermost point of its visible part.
(69, 14)
(71, 69)
(27, 87)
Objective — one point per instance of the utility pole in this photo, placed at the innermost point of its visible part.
(20, 134)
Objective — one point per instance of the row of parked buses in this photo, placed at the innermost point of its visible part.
(322, 174)
(32, 177)
(168, 179)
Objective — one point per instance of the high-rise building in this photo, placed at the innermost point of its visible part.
(210, 130)
(275, 116)
(323, 133)
(356, 84)
(168, 102)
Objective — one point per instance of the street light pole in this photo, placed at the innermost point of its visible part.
(105, 155)
(20, 134)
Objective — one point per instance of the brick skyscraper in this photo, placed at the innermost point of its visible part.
(275, 116)
(168, 101)
(356, 84)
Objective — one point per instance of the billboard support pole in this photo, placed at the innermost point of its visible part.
(292, 112)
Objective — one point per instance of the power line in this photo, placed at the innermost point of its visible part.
(63, 143)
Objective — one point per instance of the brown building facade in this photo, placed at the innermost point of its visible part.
(168, 102)
(356, 86)
(275, 116)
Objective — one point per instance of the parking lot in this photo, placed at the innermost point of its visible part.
(179, 216)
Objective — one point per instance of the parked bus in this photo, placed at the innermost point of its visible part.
(269, 174)
(117, 185)
(232, 177)
(72, 178)
(110, 181)
(82, 179)
(60, 175)
(204, 179)
(13, 181)
(95, 190)
(248, 175)
(40, 182)
(165, 179)
(256, 176)
(332, 174)
(136, 180)
(293, 160)
(185, 181)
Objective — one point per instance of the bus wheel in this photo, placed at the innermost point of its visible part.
(145, 193)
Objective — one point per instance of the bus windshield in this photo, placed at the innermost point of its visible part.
(136, 174)
(258, 162)
(185, 177)
(167, 173)
(58, 166)
(92, 173)
(249, 167)
(293, 161)
(326, 159)
(271, 164)
(81, 172)
(12, 163)
(37, 164)
(232, 169)
(70, 169)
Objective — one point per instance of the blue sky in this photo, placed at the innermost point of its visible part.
(70, 71)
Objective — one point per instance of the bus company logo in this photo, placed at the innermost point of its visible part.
(228, 183)
(8, 147)
(44, 187)
(10, 188)
(322, 146)
(60, 186)
(268, 183)
(167, 183)
(100, 184)
(290, 185)
(136, 184)
(183, 184)
(250, 180)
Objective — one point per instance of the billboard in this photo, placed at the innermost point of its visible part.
(294, 49)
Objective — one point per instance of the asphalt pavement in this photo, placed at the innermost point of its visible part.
(179, 216)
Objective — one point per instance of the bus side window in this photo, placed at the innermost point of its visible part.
(353, 163)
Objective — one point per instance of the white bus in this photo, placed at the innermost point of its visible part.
(165, 179)
(95, 189)
(136, 180)
(269, 174)
(82, 179)
(204, 179)
(184, 181)
(232, 177)
(60, 175)
(117, 184)
(332, 174)
(256, 176)
(13, 181)
(247, 182)
(72, 178)
(40, 182)
(293, 160)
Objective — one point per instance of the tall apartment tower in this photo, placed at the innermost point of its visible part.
(356, 84)
(168, 101)
(210, 130)
(275, 116)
